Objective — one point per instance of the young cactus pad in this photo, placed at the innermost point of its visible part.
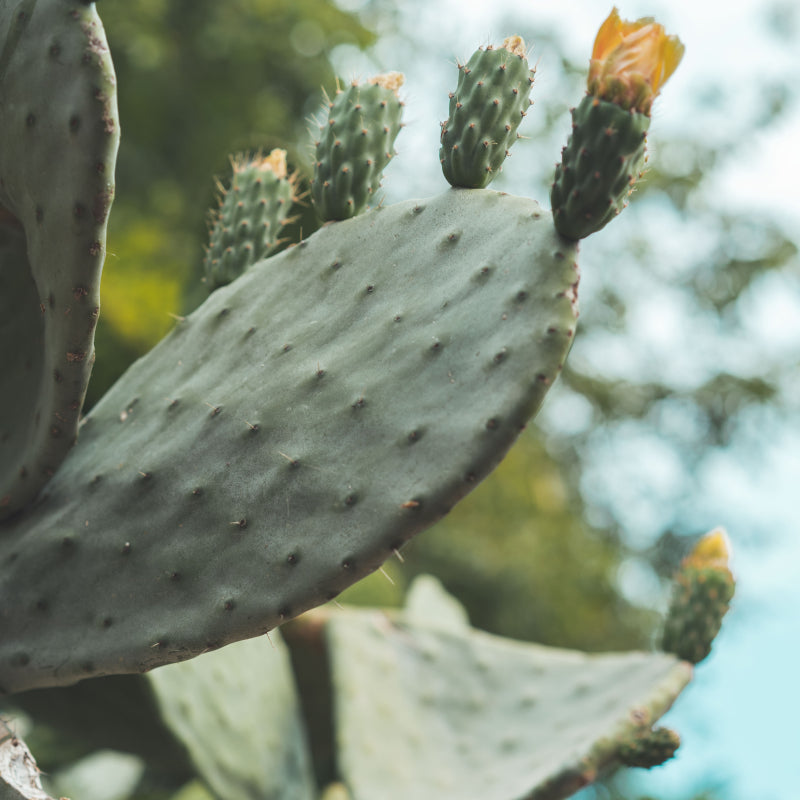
(599, 167)
(58, 143)
(630, 63)
(355, 144)
(487, 107)
(247, 225)
(702, 592)
(289, 435)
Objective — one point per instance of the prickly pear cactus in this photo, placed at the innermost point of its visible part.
(356, 143)
(702, 593)
(445, 711)
(252, 212)
(606, 152)
(370, 377)
(599, 166)
(487, 107)
(58, 143)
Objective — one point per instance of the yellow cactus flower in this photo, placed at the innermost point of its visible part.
(631, 61)
(713, 550)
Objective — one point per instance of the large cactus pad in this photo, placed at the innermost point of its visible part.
(287, 437)
(58, 141)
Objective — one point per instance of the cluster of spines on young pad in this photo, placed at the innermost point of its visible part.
(486, 109)
(252, 213)
(355, 144)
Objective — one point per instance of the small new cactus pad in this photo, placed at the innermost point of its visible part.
(247, 225)
(356, 142)
(368, 379)
(649, 748)
(490, 101)
(599, 166)
(58, 143)
(702, 591)
(438, 713)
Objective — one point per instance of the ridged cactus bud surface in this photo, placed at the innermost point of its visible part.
(702, 592)
(58, 143)
(370, 378)
(252, 211)
(488, 105)
(649, 748)
(599, 166)
(356, 142)
(439, 713)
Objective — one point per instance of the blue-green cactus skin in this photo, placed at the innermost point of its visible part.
(371, 377)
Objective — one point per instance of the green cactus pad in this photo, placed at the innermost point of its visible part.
(490, 101)
(58, 142)
(356, 143)
(433, 713)
(238, 715)
(599, 166)
(247, 225)
(370, 377)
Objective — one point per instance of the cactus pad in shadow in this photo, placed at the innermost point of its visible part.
(58, 142)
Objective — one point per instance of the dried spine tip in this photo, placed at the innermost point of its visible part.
(275, 162)
(515, 45)
(389, 80)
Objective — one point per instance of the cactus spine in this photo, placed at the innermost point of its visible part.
(246, 227)
(490, 102)
(356, 143)
(369, 378)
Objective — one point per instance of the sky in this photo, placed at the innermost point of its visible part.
(738, 719)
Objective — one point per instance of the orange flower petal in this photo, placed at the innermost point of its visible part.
(628, 56)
